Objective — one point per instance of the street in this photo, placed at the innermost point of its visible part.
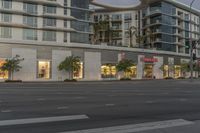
(60, 107)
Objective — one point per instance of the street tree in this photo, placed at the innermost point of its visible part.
(125, 67)
(71, 64)
(11, 66)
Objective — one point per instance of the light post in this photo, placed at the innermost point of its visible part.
(191, 48)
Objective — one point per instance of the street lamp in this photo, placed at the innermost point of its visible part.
(191, 48)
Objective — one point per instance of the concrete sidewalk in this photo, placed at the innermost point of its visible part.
(191, 128)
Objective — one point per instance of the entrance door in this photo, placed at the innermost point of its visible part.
(148, 71)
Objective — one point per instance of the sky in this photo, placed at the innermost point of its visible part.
(128, 2)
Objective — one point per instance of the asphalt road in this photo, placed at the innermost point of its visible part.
(104, 104)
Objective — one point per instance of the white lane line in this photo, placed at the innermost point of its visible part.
(41, 99)
(136, 127)
(183, 99)
(62, 108)
(6, 111)
(109, 104)
(41, 120)
(150, 102)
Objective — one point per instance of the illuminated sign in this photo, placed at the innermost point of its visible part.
(144, 59)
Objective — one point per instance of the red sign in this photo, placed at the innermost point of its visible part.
(149, 59)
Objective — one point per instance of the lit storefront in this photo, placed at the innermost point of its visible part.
(165, 71)
(133, 72)
(3, 74)
(177, 71)
(148, 71)
(44, 69)
(148, 68)
(78, 74)
(108, 71)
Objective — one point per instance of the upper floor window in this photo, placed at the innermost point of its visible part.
(30, 21)
(49, 22)
(5, 17)
(7, 4)
(49, 36)
(30, 8)
(49, 9)
(29, 34)
(6, 32)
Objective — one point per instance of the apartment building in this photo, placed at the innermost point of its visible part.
(40, 31)
(45, 32)
(120, 24)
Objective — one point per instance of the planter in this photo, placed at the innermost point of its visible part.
(70, 80)
(13, 81)
(125, 79)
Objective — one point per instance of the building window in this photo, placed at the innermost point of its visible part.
(5, 17)
(44, 69)
(65, 36)
(148, 71)
(30, 8)
(132, 73)
(6, 32)
(30, 21)
(7, 4)
(29, 34)
(79, 38)
(78, 74)
(108, 71)
(49, 9)
(3, 74)
(177, 71)
(49, 36)
(166, 71)
(49, 22)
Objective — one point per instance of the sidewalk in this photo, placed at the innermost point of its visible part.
(192, 128)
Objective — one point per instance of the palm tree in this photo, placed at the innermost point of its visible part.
(11, 66)
(151, 36)
(132, 31)
(102, 25)
(70, 64)
(125, 67)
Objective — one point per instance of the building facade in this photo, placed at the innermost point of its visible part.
(45, 32)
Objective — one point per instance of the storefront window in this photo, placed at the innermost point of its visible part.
(166, 71)
(3, 74)
(177, 71)
(78, 74)
(108, 71)
(133, 72)
(148, 71)
(44, 69)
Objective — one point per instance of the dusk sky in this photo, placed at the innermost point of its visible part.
(128, 2)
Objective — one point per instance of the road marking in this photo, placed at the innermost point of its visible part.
(6, 111)
(110, 104)
(41, 120)
(62, 108)
(183, 100)
(41, 99)
(136, 127)
(150, 102)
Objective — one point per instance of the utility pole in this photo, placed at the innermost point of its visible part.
(191, 47)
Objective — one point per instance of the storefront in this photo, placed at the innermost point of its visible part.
(78, 74)
(133, 72)
(108, 71)
(148, 67)
(3, 74)
(148, 71)
(177, 71)
(44, 70)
